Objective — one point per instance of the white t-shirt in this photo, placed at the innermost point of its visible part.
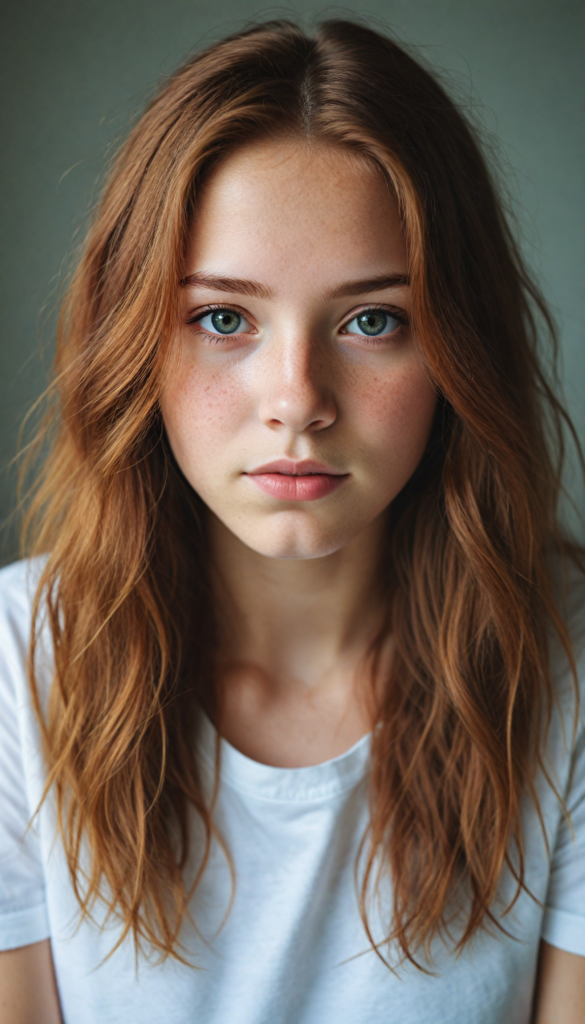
(292, 949)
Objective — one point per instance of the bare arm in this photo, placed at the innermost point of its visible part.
(28, 990)
(560, 988)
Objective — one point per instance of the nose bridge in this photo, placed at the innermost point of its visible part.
(299, 392)
(300, 361)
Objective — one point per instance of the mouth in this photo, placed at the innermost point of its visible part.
(304, 480)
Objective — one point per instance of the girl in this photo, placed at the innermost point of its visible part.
(290, 718)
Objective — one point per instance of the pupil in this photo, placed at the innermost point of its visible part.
(225, 321)
(372, 322)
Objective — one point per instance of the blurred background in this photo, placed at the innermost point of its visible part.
(76, 73)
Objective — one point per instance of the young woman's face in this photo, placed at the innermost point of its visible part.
(300, 406)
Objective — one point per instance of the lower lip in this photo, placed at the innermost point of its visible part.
(297, 488)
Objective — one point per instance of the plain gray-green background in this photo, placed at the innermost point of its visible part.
(74, 73)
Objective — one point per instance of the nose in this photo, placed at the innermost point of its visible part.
(298, 389)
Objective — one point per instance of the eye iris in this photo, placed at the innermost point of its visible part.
(225, 321)
(373, 321)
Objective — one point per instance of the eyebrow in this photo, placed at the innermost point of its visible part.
(226, 284)
(260, 291)
(370, 284)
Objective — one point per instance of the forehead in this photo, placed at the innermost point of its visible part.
(293, 210)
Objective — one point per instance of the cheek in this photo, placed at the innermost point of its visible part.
(396, 413)
(201, 410)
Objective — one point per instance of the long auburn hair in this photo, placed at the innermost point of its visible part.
(469, 593)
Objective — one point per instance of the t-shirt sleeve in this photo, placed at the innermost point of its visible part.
(564, 918)
(23, 914)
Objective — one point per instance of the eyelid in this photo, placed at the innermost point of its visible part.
(395, 311)
(202, 311)
(199, 313)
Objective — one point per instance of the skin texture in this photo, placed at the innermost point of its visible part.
(560, 994)
(28, 992)
(297, 580)
(300, 222)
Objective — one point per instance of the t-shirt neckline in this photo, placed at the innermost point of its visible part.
(313, 783)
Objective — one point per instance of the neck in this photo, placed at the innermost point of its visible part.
(297, 620)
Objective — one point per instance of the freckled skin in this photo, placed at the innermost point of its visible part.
(292, 382)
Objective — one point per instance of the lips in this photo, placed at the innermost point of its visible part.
(304, 480)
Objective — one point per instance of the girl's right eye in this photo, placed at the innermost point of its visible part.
(222, 322)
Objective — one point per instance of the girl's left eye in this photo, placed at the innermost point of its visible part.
(223, 322)
(373, 322)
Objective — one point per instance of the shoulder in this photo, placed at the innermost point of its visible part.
(18, 585)
(18, 582)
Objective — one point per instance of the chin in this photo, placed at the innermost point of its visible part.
(286, 540)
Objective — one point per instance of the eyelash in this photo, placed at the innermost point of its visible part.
(215, 339)
(397, 314)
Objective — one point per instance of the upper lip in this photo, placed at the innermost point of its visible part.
(291, 467)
